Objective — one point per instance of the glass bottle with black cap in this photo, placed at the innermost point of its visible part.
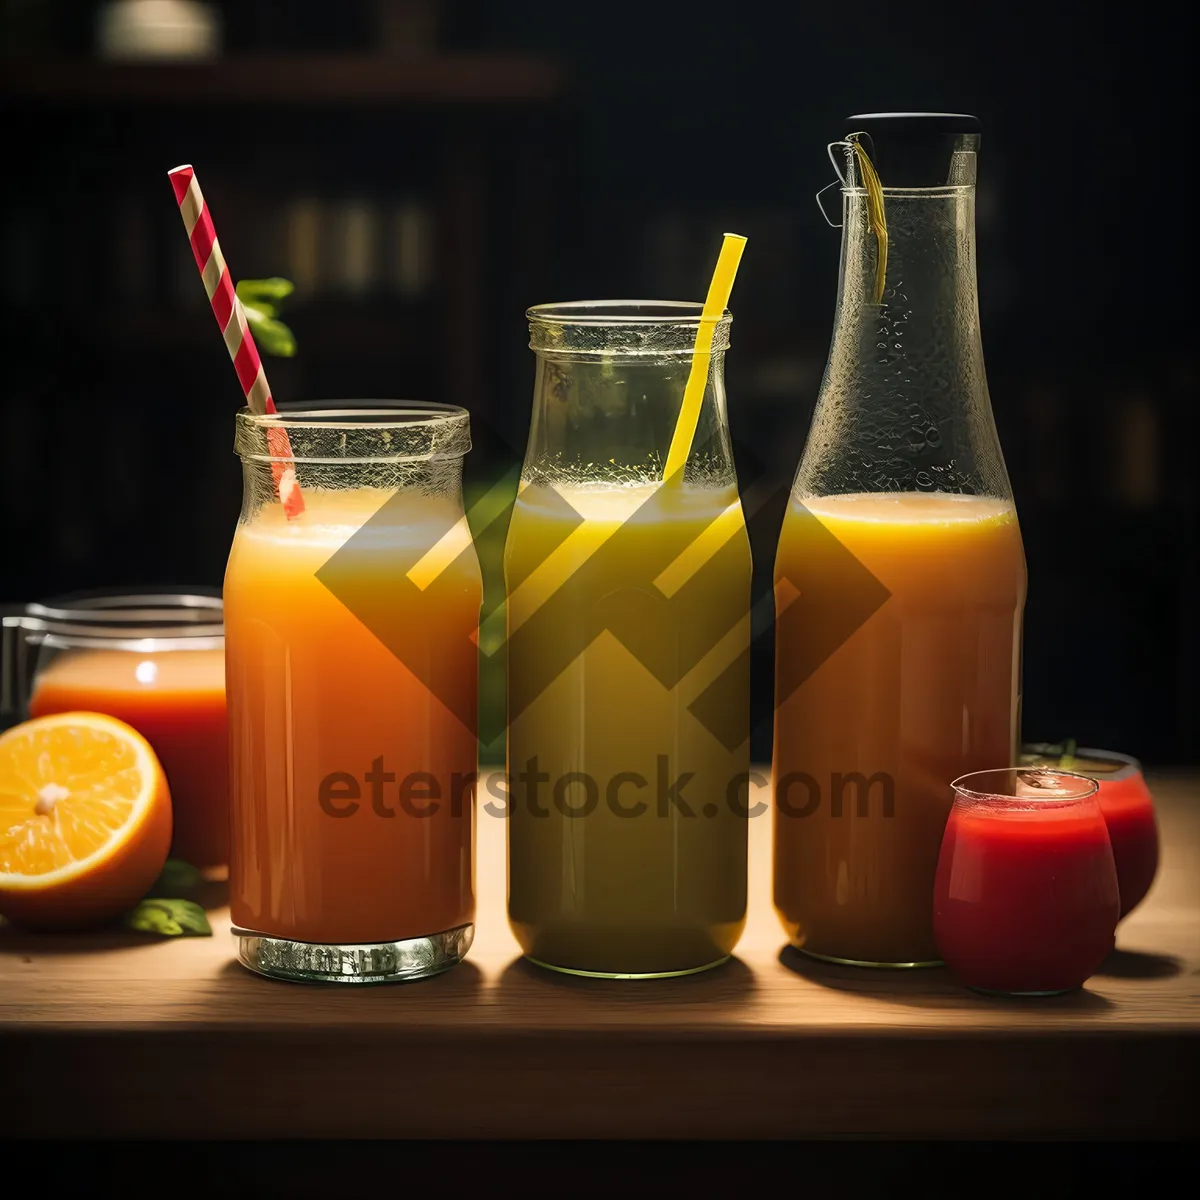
(900, 574)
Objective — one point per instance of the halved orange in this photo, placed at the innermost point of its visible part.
(85, 820)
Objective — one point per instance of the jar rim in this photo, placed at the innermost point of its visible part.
(111, 604)
(201, 637)
(142, 620)
(353, 414)
(620, 312)
(617, 329)
(384, 431)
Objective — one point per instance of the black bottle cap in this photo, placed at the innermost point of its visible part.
(914, 149)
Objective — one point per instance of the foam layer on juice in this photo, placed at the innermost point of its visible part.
(616, 503)
(134, 671)
(904, 508)
(377, 519)
(691, 523)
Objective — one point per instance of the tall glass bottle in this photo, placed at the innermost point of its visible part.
(901, 670)
(628, 624)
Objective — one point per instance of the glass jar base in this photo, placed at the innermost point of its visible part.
(1019, 995)
(537, 962)
(860, 962)
(374, 962)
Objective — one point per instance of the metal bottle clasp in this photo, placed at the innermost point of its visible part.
(841, 181)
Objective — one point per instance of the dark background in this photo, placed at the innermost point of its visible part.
(600, 151)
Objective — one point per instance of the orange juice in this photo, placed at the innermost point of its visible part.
(926, 690)
(176, 700)
(353, 777)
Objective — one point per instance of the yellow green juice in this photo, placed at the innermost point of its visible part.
(628, 753)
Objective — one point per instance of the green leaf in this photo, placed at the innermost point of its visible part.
(264, 292)
(177, 877)
(260, 301)
(273, 337)
(1067, 761)
(169, 918)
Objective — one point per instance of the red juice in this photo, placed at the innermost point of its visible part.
(176, 700)
(1025, 897)
(1134, 834)
(1128, 810)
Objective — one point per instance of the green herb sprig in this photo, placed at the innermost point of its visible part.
(261, 300)
(169, 918)
(1066, 760)
(162, 912)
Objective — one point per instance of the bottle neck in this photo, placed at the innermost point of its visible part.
(904, 404)
(929, 286)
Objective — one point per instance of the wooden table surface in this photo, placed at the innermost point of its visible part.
(112, 1035)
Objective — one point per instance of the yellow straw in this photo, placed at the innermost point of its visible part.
(693, 393)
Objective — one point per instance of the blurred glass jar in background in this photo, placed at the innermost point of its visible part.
(1128, 809)
(153, 660)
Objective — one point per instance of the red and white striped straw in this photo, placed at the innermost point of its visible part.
(231, 318)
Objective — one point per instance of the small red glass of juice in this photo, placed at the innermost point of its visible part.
(1127, 806)
(1025, 901)
(155, 660)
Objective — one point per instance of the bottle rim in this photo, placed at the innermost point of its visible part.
(941, 191)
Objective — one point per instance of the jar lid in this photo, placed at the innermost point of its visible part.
(914, 123)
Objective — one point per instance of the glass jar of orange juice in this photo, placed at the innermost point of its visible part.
(154, 659)
(351, 639)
